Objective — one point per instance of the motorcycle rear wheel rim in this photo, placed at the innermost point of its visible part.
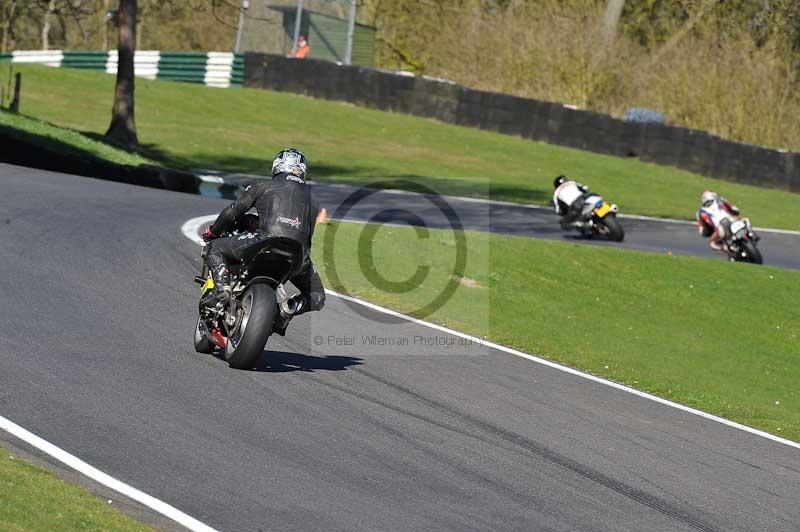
(238, 332)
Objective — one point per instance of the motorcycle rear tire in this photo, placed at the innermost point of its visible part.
(753, 254)
(615, 231)
(243, 352)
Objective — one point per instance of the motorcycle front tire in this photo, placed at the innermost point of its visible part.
(753, 254)
(260, 308)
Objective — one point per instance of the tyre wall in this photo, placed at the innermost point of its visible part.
(687, 149)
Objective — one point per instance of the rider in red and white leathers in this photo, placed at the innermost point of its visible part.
(568, 199)
(715, 217)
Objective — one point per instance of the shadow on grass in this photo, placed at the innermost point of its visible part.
(148, 151)
(45, 152)
(26, 152)
(262, 166)
(36, 140)
(234, 164)
(475, 187)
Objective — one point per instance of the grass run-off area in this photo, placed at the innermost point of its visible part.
(190, 126)
(713, 335)
(32, 499)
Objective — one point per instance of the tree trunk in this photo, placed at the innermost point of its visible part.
(104, 24)
(4, 27)
(51, 7)
(611, 19)
(123, 126)
(8, 14)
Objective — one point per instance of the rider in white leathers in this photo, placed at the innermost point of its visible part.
(714, 219)
(568, 199)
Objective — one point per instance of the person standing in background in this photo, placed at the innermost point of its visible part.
(302, 48)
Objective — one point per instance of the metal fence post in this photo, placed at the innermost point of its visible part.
(297, 18)
(240, 30)
(14, 107)
(351, 23)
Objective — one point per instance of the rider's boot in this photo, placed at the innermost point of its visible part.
(222, 287)
(288, 309)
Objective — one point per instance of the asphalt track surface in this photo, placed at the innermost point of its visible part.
(96, 357)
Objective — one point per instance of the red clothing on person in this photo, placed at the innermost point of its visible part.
(302, 51)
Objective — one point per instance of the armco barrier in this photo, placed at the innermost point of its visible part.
(688, 149)
(51, 58)
(145, 63)
(85, 60)
(215, 69)
(237, 74)
(176, 66)
(219, 69)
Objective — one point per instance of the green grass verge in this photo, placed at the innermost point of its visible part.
(713, 335)
(33, 499)
(188, 126)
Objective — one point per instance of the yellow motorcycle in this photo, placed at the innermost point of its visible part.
(598, 217)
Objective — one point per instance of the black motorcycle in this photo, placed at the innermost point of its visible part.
(242, 325)
(742, 242)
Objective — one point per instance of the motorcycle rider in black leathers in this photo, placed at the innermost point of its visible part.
(286, 208)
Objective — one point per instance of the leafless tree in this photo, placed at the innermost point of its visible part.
(123, 125)
(104, 24)
(8, 12)
(50, 9)
(74, 10)
(611, 20)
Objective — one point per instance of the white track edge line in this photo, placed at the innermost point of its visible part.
(778, 231)
(98, 476)
(211, 179)
(193, 224)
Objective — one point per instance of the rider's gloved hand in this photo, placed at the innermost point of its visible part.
(208, 236)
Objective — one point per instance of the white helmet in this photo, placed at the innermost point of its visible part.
(290, 161)
(707, 198)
